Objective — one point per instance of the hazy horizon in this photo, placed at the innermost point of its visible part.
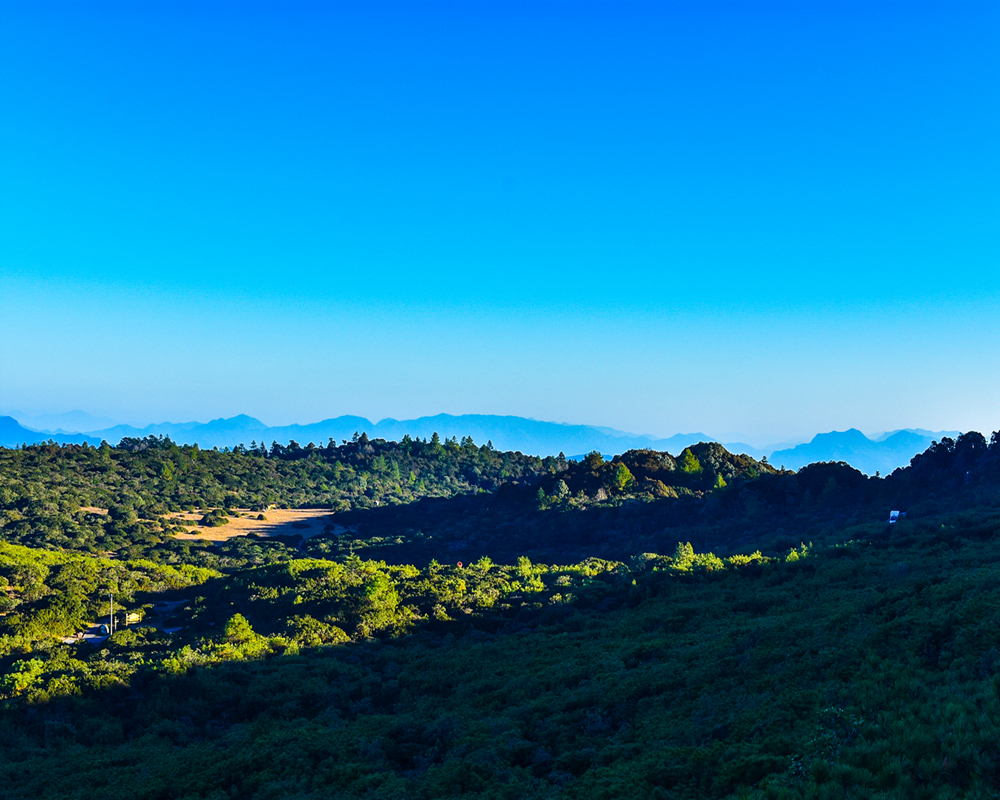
(759, 442)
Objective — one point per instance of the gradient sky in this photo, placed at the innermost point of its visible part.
(770, 218)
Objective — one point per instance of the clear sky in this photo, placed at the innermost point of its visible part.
(771, 218)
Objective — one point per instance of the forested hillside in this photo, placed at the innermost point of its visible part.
(53, 496)
(482, 624)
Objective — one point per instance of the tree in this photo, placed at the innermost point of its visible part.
(622, 478)
(689, 462)
(238, 630)
(972, 443)
(683, 556)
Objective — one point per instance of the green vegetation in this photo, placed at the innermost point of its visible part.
(780, 640)
(48, 493)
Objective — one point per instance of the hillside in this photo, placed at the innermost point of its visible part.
(698, 625)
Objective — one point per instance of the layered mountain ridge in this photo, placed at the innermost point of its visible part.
(882, 454)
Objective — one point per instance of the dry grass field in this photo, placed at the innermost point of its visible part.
(279, 522)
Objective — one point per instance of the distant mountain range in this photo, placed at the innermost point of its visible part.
(506, 433)
(67, 422)
(13, 434)
(883, 454)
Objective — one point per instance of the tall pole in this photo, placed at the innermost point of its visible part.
(111, 621)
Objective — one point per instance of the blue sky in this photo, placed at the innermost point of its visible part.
(764, 218)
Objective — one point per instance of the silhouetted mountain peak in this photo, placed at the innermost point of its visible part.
(241, 422)
(10, 425)
(851, 435)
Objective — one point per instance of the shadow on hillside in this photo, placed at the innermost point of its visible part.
(771, 512)
(510, 524)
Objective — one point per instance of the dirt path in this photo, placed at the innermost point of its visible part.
(91, 634)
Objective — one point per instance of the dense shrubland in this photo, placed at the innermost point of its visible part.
(699, 626)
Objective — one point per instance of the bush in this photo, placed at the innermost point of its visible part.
(213, 519)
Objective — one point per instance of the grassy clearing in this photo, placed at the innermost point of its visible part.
(305, 522)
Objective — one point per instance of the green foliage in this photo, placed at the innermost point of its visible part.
(683, 556)
(689, 463)
(238, 630)
(864, 665)
(739, 560)
(52, 496)
(797, 554)
(214, 518)
(621, 478)
(311, 632)
(21, 675)
(873, 669)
